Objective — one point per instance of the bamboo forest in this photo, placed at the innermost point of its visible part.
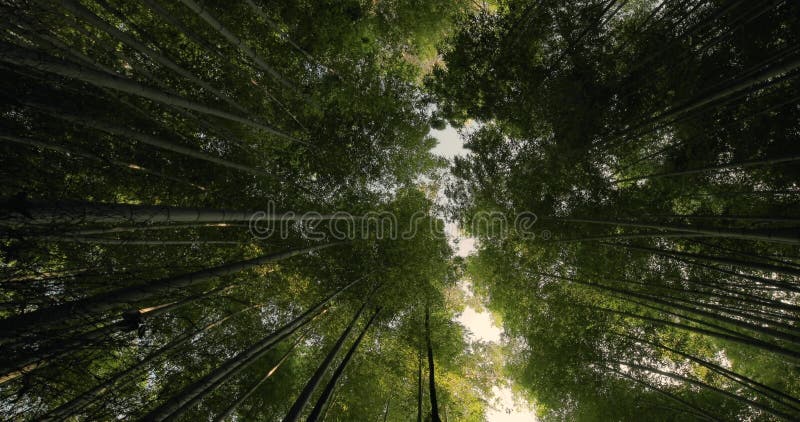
(400, 210)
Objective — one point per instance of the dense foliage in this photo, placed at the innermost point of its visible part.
(655, 142)
(309, 106)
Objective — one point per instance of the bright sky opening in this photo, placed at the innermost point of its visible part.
(504, 407)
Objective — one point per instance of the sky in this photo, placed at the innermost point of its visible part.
(450, 143)
(479, 323)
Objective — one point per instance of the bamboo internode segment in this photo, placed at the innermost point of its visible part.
(16, 213)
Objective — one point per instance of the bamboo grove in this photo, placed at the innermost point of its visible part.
(655, 142)
(139, 142)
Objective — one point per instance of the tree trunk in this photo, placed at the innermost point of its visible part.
(20, 212)
(721, 260)
(238, 43)
(780, 259)
(776, 284)
(58, 348)
(691, 407)
(186, 30)
(239, 400)
(711, 97)
(639, 29)
(579, 39)
(260, 12)
(733, 88)
(712, 291)
(138, 316)
(743, 164)
(139, 69)
(323, 399)
(776, 236)
(19, 56)
(312, 384)
(720, 391)
(419, 386)
(242, 110)
(672, 313)
(90, 156)
(18, 364)
(744, 18)
(749, 383)
(613, 13)
(746, 296)
(748, 341)
(67, 312)
(669, 147)
(386, 409)
(696, 310)
(630, 236)
(715, 316)
(151, 140)
(134, 242)
(110, 230)
(78, 403)
(86, 14)
(741, 301)
(431, 372)
(193, 393)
